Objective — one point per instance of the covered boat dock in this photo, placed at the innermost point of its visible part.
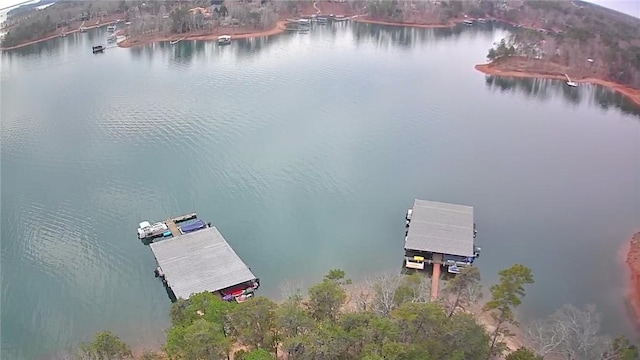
(202, 261)
(439, 234)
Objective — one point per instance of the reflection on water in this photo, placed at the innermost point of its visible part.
(547, 89)
(393, 37)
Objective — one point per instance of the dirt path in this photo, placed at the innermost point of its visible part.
(435, 281)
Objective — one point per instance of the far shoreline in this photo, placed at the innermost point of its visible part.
(493, 69)
(279, 28)
(51, 37)
(405, 24)
(490, 68)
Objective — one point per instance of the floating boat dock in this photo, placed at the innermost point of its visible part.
(197, 258)
(439, 234)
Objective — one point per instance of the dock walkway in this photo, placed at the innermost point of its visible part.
(173, 227)
(171, 223)
(435, 278)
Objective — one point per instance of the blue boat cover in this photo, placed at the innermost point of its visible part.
(194, 226)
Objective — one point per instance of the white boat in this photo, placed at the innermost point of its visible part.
(112, 38)
(340, 18)
(468, 22)
(146, 230)
(569, 82)
(408, 216)
(224, 39)
(173, 42)
(111, 28)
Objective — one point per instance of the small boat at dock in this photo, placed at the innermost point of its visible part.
(569, 82)
(224, 40)
(173, 42)
(468, 22)
(112, 38)
(111, 28)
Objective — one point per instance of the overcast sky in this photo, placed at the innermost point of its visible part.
(631, 7)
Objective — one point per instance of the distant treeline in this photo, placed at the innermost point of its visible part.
(27, 7)
(36, 24)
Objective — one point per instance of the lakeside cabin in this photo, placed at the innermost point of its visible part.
(440, 234)
(194, 257)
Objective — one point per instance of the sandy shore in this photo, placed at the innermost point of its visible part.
(633, 262)
(279, 28)
(57, 34)
(631, 93)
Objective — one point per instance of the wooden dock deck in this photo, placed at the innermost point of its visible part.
(173, 227)
(435, 278)
(172, 223)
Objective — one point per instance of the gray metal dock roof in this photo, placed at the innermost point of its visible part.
(441, 228)
(199, 261)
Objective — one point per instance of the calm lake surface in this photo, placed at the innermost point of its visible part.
(305, 150)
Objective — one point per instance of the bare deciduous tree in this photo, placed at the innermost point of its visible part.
(392, 290)
(385, 288)
(360, 296)
(463, 291)
(291, 290)
(570, 333)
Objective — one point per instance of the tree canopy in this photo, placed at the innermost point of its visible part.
(398, 322)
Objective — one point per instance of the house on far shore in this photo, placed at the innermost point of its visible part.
(440, 234)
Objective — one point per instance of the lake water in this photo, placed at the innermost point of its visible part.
(305, 150)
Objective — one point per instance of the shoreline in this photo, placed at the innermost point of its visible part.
(492, 69)
(632, 260)
(51, 37)
(279, 28)
(364, 20)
